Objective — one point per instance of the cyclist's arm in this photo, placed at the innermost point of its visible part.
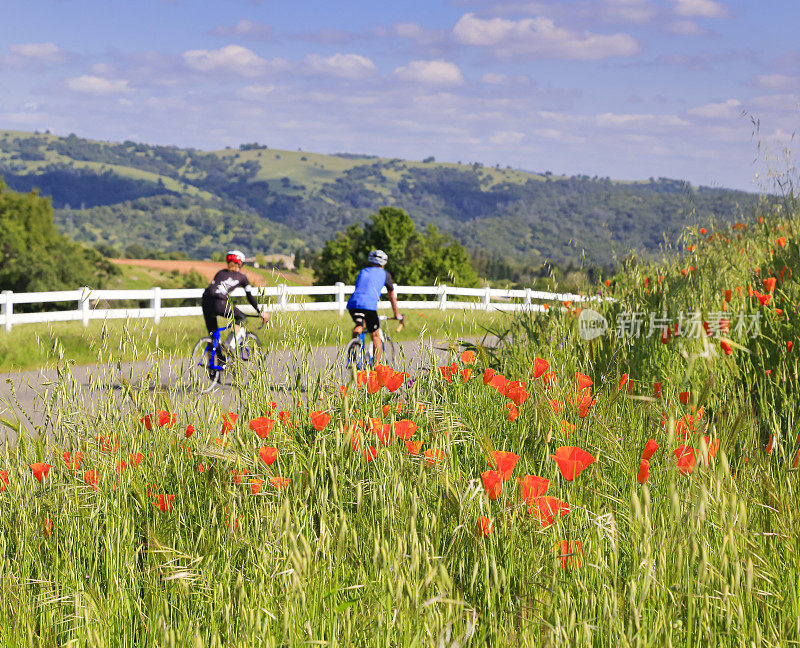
(393, 302)
(248, 292)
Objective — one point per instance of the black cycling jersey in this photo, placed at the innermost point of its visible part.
(225, 282)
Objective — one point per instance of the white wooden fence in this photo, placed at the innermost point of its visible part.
(95, 304)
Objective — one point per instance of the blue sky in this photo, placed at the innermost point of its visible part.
(624, 88)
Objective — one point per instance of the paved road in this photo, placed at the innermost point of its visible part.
(46, 400)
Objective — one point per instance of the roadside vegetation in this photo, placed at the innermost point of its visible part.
(636, 490)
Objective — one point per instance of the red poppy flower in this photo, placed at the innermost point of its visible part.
(567, 428)
(505, 462)
(762, 299)
(781, 241)
(657, 389)
(73, 461)
(499, 382)
(493, 483)
(448, 371)
(285, 418)
(319, 420)
(40, 470)
(432, 457)
(487, 376)
(405, 428)
(584, 405)
(272, 406)
(189, 431)
(395, 381)
(516, 392)
(384, 433)
(255, 485)
(687, 459)
(165, 502)
(137, 458)
(556, 406)
(342, 391)
(789, 345)
(572, 461)
(485, 526)
(228, 421)
(683, 397)
(622, 381)
(725, 347)
(3, 480)
(373, 384)
(163, 418)
(262, 426)
(533, 486)
(362, 377)
(47, 528)
(370, 453)
(413, 447)
(711, 447)
(268, 454)
(383, 373)
(644, 471)
(546, 509)
(236, 475)
(569, 553)
(468, 357)
(549, 378)
(279, 482)
(466, 372)
(583, 381)
(649, 449)
(702, 230)
(770, 443)
(540, 366)
(513, 412)
(769, 284)
(355, 438)
(92, 478)
(120, 466)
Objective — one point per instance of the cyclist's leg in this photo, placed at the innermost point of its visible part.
(373, 326)
(377, 346)
(359, 321)
(210, 315)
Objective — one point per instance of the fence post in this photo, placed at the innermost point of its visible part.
(487, 298)
(283, 298)
(442, 296)
(8, 307)
(527, 305)
(155, 304)
(83, 305)
(340, 297)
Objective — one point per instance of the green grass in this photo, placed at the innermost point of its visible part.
(30, 346)
(390, 552)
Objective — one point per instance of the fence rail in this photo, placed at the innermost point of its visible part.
(95, 304)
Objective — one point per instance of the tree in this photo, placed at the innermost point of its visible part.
(414, 258)
(35, 257)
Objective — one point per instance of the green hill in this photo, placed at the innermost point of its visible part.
(266, 200)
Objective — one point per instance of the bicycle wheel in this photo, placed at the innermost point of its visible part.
(352, 359)
(200, 376)
(242, 364)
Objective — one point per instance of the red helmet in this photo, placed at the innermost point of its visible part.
(235, 256)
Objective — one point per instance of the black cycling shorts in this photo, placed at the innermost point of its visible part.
(366, 318)
(219, 307)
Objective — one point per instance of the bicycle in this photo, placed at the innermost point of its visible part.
(358, 353)
(210, 360)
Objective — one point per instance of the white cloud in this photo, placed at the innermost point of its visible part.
(685, 28)
(776, 81)
(231, 58)
(722, 110)
(96, 85)
(255, 92)
(432, 72)
(45, 52)
(245, 29)
(700, 8)
(540, 38)
(506, 138)
(639, 120)
(344, 66)
(495, 78)
(638, 11)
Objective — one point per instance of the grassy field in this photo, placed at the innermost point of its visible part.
(30, 346)
(636, 490)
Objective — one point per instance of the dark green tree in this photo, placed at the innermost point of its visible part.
(34, 256)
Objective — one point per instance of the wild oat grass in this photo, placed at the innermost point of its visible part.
(392, 552)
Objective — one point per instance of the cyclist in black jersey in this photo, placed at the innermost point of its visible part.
(216, 300)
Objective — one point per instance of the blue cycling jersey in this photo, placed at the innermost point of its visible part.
(369, 283)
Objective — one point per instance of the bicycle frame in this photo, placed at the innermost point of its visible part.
(362, 337)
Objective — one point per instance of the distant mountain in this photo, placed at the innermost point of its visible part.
(266, 200)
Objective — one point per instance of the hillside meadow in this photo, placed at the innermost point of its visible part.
(640, 489)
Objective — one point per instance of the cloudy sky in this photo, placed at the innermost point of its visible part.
(622, 88)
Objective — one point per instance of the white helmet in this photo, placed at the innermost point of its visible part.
(379, 257)
(235, 256)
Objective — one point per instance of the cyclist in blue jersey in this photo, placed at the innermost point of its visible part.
(363, 303)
